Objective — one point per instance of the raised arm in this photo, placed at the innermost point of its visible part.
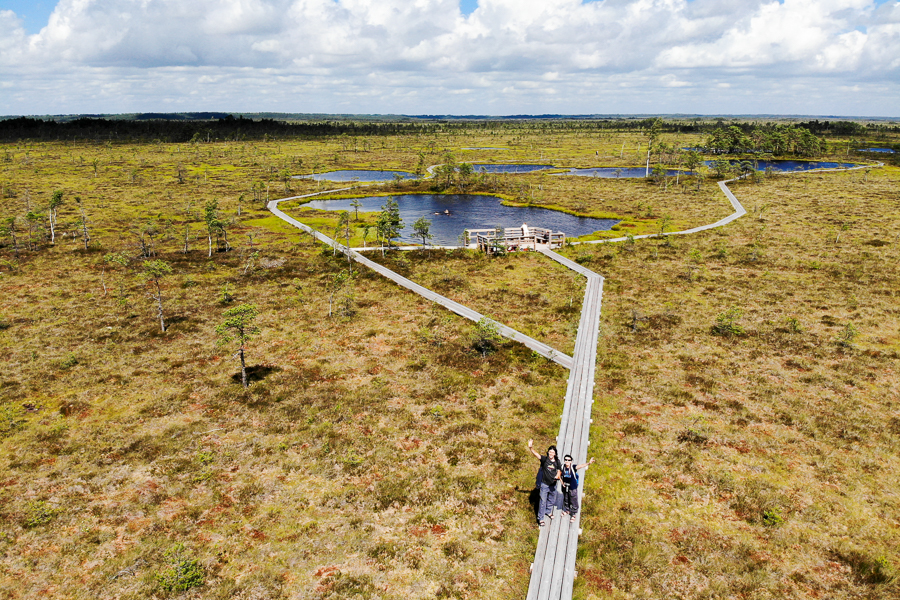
(530, 443)
(582, 466)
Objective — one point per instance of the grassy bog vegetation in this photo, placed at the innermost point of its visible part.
(378, 451)
(749, 387)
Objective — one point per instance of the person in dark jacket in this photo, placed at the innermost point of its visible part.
(547, 478)
(569, 477)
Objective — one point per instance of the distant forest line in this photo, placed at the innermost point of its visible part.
(202, 127)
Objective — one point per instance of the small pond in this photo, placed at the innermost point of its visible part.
(468, 211)
(508, 168)
(357, 175)
(614, 172)
(788, 166)
(884, 150)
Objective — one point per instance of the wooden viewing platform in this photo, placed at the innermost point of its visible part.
(512, 239)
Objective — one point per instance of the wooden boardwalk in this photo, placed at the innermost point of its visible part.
(553, 569)
(464, 311)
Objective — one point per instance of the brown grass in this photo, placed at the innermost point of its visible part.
(755, 465)
(378, 454)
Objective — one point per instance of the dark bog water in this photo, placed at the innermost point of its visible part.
(502, 168)
(469, 212)
(614, 172)
(782, 166)
(786, 166)
(360, 175)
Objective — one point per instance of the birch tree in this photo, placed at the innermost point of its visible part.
(211, 217)
(56, 200)
(84, 230)
(154, 272)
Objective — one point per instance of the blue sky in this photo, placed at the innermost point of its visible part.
(34, 13)
(812, 57)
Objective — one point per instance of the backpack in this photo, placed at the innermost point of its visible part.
(574, 475)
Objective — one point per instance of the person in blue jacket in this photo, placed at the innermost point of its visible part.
(547, 478)
(569, 476)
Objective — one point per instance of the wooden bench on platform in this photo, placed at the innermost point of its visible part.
(513, 239)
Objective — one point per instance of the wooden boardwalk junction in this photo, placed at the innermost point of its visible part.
(464, 311)
(553, 569)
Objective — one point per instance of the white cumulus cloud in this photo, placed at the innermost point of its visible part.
(426, 56)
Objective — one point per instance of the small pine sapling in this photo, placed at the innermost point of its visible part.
(485, 336)
(727, 323)
(8, 229)
(33, 221)
(113, 259)
(422, 229)
(847, 336)
(238, 326)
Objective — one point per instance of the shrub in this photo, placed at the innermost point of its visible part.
(877, 570)
(384, 552)
(847, 335)
(390, 490)
(183, 573)
(692, 436)
(793, 325)
(69, 361)
(721, 251)
(485, 336)
(772, 517)
(727, 323)
(38, 513)
(10, 419)
(635, 429)
(341, 585)
(456, 550)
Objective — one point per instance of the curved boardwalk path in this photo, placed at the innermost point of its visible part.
(553, 569)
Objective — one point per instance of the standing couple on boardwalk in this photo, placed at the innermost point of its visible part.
(552, 471)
